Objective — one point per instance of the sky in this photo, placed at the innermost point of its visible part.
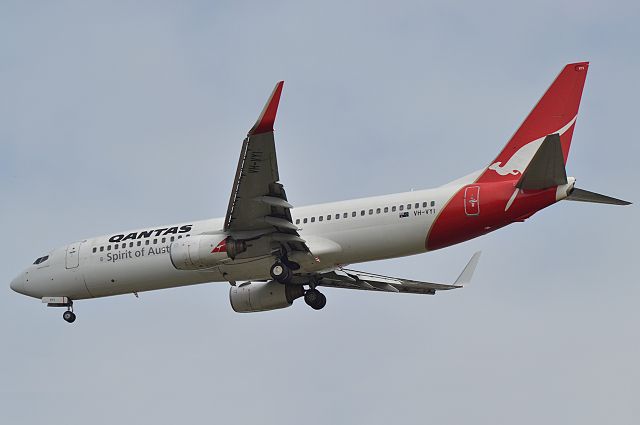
(119, 115)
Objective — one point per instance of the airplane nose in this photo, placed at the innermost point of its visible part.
(17, 285)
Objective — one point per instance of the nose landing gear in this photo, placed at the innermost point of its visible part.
(69, 316)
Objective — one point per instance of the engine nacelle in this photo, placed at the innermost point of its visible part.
(259, 296)
(204, 251)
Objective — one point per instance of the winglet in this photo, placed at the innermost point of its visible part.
(265, 121)
(467, 273)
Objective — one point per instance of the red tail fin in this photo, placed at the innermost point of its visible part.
(555, 112)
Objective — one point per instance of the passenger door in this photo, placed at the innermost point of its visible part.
(73, 255)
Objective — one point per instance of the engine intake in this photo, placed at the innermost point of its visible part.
(204, 251)
(252, 297)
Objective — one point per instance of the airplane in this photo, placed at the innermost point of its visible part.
(272, 253)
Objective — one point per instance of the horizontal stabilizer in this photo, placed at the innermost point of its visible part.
(546, 168)
(586, 196)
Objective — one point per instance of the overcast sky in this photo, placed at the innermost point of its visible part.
(117, 116)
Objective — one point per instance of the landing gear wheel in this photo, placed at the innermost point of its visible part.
(280, 272)
(321, 302)
(69, 316)
(315, 299)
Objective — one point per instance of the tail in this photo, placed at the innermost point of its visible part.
(554, 114)
(536, 156)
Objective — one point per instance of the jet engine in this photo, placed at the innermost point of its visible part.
(204, 251)
(252, 297)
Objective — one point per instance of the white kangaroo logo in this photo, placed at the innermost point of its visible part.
(519, 160)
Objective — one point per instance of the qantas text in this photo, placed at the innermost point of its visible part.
(148, 233)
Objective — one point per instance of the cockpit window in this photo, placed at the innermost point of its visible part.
(41, 259)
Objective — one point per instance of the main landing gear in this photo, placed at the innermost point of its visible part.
(281, 271)
(315, 299)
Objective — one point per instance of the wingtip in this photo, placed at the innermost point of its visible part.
(467, 272)
(267, 118)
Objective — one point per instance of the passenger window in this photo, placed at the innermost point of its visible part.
(386, 209)
(433, 203)
(155, 241)
(108, 247)
(297, 221)
(101, 248)
(417, 205)
(371, 211)
(94, 249)
(353, 214)
(131, 244)
(179, 237)
(401, 207)
(304, 221)
(313, 219)
(329, 217)
(424, 204)
(115, 247)
(345, 215)
(172, 238)
(408, 206)
(337, 216)
(378, 211)
(320, 218)
(146, 242)
(140, 242)
(393, 208)
(164, 240)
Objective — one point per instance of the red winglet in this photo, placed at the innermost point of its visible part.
(265, 121)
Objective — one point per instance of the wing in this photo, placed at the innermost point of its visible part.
(352, 279)
(258, 203)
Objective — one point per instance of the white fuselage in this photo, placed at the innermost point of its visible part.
(337, 233)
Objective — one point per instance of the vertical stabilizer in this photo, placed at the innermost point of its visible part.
(555, 113)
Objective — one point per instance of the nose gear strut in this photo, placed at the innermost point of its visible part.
(69, 316)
